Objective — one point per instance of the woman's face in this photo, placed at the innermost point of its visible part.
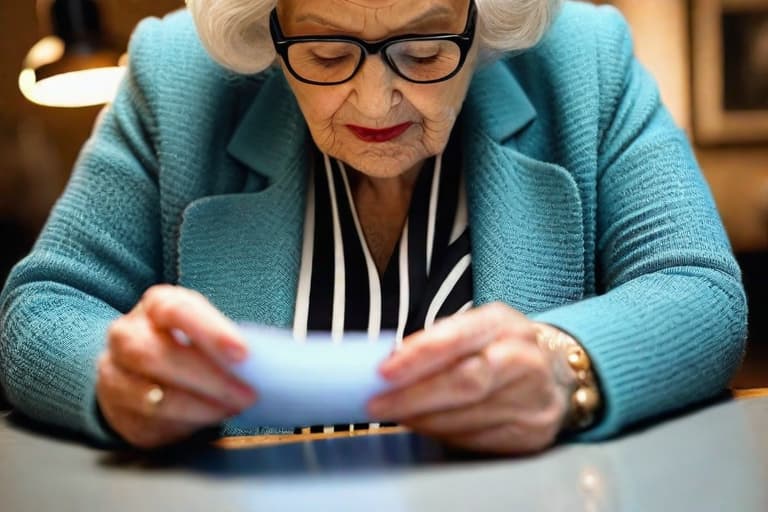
(376, 98)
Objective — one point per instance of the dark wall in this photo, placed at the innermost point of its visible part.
(39, 145)
(754, 372)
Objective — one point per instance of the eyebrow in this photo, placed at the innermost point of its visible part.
(421, 19)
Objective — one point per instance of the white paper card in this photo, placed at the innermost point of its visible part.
(315, 382)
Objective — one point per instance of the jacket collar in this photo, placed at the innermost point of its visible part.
(496, 103)
(273, 130)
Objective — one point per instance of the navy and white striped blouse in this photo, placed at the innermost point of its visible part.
(428, 276)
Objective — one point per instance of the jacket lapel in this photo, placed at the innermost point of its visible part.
(243, 250)
(525, 215)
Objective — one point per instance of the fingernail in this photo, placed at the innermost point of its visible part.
(385, 368)
(245, 391)
(181, 337)
(394, 370)
(235, 352)
(390, 363)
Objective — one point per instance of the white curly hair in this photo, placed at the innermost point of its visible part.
(236, 32)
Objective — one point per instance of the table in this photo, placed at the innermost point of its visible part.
(711, 459)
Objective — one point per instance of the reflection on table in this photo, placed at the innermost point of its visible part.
(714, 458)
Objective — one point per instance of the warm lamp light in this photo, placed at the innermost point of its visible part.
(74, 68)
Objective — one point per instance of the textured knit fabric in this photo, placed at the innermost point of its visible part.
(586, 207)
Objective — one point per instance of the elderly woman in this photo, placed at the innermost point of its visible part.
(505, 166)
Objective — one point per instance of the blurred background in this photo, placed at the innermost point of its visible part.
(710, 58)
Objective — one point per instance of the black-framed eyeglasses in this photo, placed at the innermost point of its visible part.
(333, 60)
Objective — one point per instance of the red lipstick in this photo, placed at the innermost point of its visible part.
(382, 135)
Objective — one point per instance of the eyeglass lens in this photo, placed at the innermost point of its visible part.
(336, 61)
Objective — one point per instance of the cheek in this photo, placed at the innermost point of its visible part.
(438, 111)
(441, 103)
(438, 106)
(318, 104)
(319, 110)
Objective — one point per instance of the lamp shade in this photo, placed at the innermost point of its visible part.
(74, 67)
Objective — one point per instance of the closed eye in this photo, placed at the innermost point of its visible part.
(431, 59)
(329, 62)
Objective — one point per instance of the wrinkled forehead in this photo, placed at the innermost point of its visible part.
(375, 18)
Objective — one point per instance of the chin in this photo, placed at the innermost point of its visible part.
(378, 169)
(383, 160)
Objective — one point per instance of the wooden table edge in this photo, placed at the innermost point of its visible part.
(238, 442)
(741, 394)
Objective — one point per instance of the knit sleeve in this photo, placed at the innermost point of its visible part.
(668, 326)
(98, 251)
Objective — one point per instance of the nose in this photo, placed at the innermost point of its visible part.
(374, 88)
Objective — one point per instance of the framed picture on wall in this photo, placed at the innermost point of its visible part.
(730, 71)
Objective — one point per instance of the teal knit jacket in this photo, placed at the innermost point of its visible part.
(587, 211)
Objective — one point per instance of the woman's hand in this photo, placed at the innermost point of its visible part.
(477, 380)
(164, 374)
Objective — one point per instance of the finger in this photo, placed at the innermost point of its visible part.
(140, 348)
(452, 338)
(473, 418)
(146, 433)
(513, 403)
(124, 390)
(173, 307)
(526, 435)
(469, 381)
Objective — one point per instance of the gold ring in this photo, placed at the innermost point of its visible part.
(153, 398)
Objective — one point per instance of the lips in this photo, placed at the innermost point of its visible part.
(378, 135)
